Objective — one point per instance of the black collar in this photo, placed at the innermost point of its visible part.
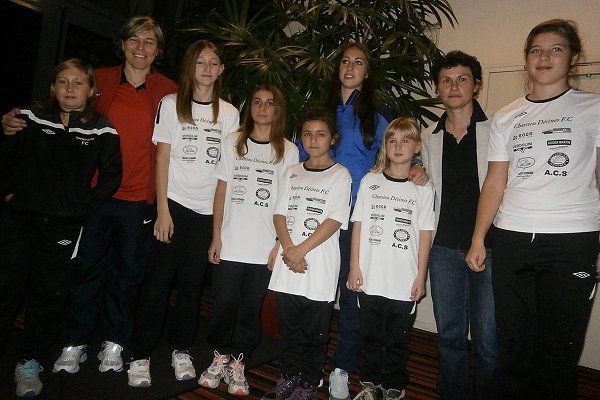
(477, 116)
(124, 79)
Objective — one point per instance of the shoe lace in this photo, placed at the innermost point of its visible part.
(283, 385)
(71, 352)
(183, 358)
(237, 369)
(238, 372)
(217, 365)
(30, 369)
(367, 392)
(139, 365)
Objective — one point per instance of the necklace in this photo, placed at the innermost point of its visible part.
(136, 85)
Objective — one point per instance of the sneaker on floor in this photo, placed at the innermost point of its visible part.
(138, 374)
(27, 377)
(234, 377)
(370, 392)
(338, 385)
(110, 357)
(181, 361)
(283, 388)
(211, 377)
(394, 394)
(70, 358)
(304, 391)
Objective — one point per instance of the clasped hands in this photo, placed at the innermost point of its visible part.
(293, 258)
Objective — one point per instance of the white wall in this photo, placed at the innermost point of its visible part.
(495, 31)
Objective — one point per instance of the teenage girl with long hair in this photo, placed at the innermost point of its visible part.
(361, 121)
(189, 129)
(244, 244)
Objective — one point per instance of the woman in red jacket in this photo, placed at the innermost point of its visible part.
(117, 238)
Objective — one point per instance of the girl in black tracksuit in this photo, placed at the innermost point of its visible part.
(53, 173)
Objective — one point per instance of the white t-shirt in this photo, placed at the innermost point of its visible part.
(307, 198)
(551, 146)
(194, 150)
(392, 212)
(247, 232)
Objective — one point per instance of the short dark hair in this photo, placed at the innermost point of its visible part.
(454, 59)
(321, 113)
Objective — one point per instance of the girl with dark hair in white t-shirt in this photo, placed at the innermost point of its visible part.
(190, 126)
(312, 205)
(244, 244)
(541, 192)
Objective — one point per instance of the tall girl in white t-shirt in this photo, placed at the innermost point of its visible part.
(244, 244)
(541, 192)
(190, 126)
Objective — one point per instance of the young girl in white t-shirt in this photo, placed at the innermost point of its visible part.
(393, 223)
(190, 126)
(312, 205)
(244, 243)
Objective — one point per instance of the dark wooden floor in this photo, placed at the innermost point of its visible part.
(422, 366)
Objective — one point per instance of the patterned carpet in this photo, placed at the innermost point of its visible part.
(422, 366)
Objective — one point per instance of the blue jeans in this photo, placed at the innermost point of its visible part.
(462, 299)
(348, 345)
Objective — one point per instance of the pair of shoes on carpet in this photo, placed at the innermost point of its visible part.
(138, 374)
(338, 389)
(71, 356)
(228, 368)
(292, 388)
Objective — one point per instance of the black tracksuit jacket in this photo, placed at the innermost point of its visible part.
(58, 171)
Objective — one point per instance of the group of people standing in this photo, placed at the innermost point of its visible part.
(127, 183)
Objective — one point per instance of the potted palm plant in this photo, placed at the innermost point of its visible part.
(293, 44)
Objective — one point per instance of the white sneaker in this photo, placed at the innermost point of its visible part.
(211, 377)
(70, 358)
(110, 357)
(338, 385)
(138, 374)
(394, 394)
(181, 361)
(234, 377)
(27, 377)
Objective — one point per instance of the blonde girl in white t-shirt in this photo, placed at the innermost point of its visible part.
(244, 243)
(189, 128)
(393, 223)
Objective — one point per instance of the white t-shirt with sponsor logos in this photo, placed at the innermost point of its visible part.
(247, 232)
(392, 212)
(551, 147)
(194, 150)
(307, 198)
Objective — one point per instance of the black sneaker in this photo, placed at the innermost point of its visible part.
(304, 391)
(283, 389)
